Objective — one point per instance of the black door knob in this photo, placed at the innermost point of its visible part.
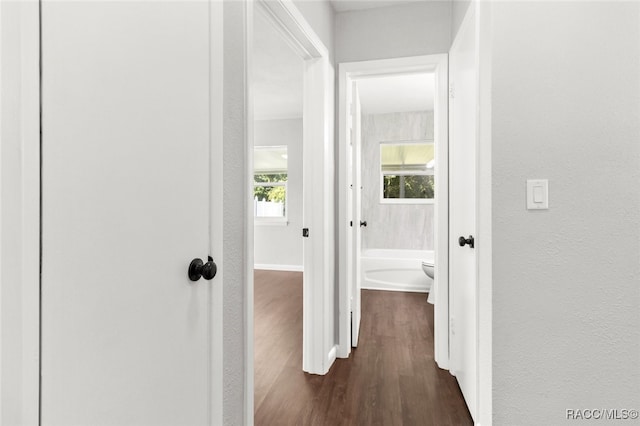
(363, 223)
(462, 241)
(198, 269)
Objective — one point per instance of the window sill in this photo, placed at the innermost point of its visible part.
(271, 222)
(407, 201)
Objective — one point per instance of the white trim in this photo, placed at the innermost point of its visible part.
(247, 305)
(484, 246)
(274, 267)
(216, 218)
(332, 355)
(357, 70)
(271, 221)
(20, 212)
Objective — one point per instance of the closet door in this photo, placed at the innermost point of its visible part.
(126, 334)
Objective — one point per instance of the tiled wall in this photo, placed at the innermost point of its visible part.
(393, 226)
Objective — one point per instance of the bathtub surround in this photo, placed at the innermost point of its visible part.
(279, 246)
(393, 226)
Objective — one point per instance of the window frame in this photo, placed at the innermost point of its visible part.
(426, 172)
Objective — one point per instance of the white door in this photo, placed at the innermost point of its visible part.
(358, 221)
(462, 190)
(126, 147)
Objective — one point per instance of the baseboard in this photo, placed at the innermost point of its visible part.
(331, 357)
(395, 287)
(271, 267)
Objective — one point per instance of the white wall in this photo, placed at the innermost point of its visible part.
(393, 226)
(566, 281)
(458, 10)
(392, 32)
(237, 262)
(278, 245)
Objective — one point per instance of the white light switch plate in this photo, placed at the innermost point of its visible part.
(537, 194)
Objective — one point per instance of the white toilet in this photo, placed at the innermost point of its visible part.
(428, 267)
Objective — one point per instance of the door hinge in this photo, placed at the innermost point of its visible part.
(451, 92)
(305, 232)
(451, 326)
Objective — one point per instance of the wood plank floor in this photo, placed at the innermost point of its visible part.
(390, 379)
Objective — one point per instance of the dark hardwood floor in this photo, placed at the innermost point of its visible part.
(390, 379)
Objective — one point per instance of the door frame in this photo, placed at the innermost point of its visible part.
(348, 72)
(20, 212)
(319, 350)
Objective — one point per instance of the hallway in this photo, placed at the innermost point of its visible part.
(390, 379)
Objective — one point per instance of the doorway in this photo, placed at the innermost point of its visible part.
(278, 73)
(316, 156)
(386, 188)
(392, 186)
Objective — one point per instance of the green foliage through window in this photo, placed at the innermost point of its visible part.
(408, 186)
(275, 193)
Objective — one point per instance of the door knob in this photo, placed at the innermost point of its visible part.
(462, 241)
(199, 269)
(363, 223)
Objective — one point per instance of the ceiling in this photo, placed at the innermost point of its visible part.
(398, 93)
(346, 5)
(270, 159)
(278, 80)
(277, 75)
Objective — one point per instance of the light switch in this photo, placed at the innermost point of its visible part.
(537, 194)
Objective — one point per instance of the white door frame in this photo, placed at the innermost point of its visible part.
(319, 350)
(20, 212)
(483, 243)
(348, 72)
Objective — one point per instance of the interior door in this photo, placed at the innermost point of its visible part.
(462, 181)
(358, 223)
(126, 146)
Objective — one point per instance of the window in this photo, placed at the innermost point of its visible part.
(270, 184)
(406, 172)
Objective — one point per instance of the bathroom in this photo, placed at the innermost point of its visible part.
(397, 175)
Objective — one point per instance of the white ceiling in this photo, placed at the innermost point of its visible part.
(277, 75)
(278, 71)
(270, 158)
(398, 93)
(346, 5)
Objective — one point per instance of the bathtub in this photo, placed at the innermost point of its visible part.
(395, 270)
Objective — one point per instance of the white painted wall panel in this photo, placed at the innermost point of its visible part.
(393, 32)
(566, 294)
